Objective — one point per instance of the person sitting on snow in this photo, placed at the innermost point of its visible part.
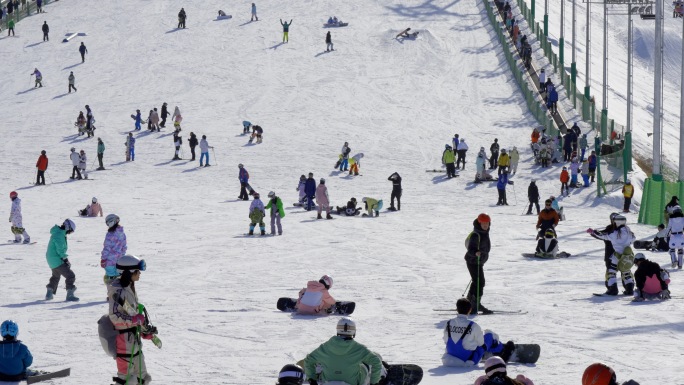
(16, 357)
(547, 247)
(465, 341)
(495, 374)
(661, 241)
(350, 210)
(221, 13)
(314, 299)
(335, 21)
(301, 187)
(651, 280)
(330, 20)
(92, 210)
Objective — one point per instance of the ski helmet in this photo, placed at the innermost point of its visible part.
(111, 220)
(9, 329)
(447, 146)
(69, 225)
(619, 220)
(483, 218)
(94, 200)
(73, 149)
(493, 365)
(271, 194)
(639, 256)
(130, 263)
(291, 375)
(353, 199)
(327, 281)
(322, 180)
(13, 195)
(256, 195)
(346, 327)
(598, 374)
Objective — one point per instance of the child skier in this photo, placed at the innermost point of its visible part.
(59, 263)
(91, 210)
(16, 219)
(256, 215)
(177, 118)
(651, 280)
(275, 204)
(314, 299)
(115, 247)
(15, 358)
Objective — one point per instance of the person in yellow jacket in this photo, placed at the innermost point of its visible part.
(628, 193)
(448, 160)
(504, 161)
(372, 206)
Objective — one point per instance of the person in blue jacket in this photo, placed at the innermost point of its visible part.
(15, 357)
(243, 176)
(254, 13)
(501, 188)
(553, 101)
(138, 120)
(310, 190)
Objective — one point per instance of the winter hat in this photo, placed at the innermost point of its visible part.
(240, 165)
(13, 194)
(493, 365)
(322, 180)
(73, 149)
(204, 136)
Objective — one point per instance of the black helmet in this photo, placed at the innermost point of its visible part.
(291, 375)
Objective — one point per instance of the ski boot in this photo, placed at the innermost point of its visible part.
(328, 216)
(49, 295)
(629, 289)
(70, 295)
(319, 216)
(507, 351)
(251, 230)
(612, 290)
(27, 241)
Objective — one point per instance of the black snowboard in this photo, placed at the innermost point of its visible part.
(525, 353)
(643, 245)
(403, 374)
(562, 254)
(44, 376)
(341, 307)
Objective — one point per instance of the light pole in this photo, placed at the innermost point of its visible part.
(658, 93)
(586, 108)
(573, 65)
(546, 18)
(681, 116)
(561, 41)
(630, 98)
(604, 110)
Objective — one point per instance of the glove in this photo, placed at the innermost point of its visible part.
(312, 381)
(103, 263)
(66, 262)
(589, 231)
(138, 319)
(147, 336)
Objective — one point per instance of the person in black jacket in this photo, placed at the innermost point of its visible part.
(181, 18)
(648, 270)
(477, 255)
(46, 30)
(396, 191)
(533, 196)
(193, 142)
(350, 210)
(164, 114)
(328, 42)
(83, 50)
(494, 151)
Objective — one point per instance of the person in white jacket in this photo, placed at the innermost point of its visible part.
(204, 151)
(675, 227)
(461, 152)
(75, 160)
(622, 259)
(16, 220)
(83, 163)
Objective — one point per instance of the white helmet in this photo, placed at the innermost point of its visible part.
(327, 281)
(346, 327)
(94, 200)
(69, 225)
(130, 262)
(619, 220)
(111, 220)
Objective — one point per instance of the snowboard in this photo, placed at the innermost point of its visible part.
(562, 254)
(403, 374)
(525, 353)
(35, 376)
(11, 242)
(643, 245)
(341, 307)
(326, 25)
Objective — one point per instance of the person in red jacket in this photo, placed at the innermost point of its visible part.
(565, 178)
(41, 165)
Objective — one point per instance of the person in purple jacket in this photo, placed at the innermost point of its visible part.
(114, 247)
(243, 176)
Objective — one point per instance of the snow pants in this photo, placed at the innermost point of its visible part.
(18, 230)
(450, 170)
(396, 193)
(623, 263)
(40, 178)
(202, 156)
(75, 171)
(477, 275)
(63, 270)
(130, 361)
(131, 153)
(99, 159)
(344, 165)
(461, 158)
(285, 37)
(243, 191)
(628, 202)
(676, 243)
(354, 169)
(536, 204)
(275, 220)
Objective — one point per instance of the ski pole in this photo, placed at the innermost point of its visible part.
(49, 177)
(467, 287)
(214, 154)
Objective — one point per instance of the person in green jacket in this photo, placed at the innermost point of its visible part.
(100, 152)
(341, 358)
(57, 260)
(448, 160)
(372, 206)
(277, 212)
(10, 27)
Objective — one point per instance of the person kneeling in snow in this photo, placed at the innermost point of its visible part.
(466, 343)
(651, 280)
(350, 210)
(547, 247)
(221, 13)
(16, 357)
(372, 206)
(495, 374)
(314, 299)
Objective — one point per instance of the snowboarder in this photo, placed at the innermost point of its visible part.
(514, 159)
(243, 177)
(254, 13)
(448, 161)
(204, 151)
(41, 166)
(75, 160)
(323, 200)
(651, 280)
(461, 151)
(494, 154)
(355, 163)
(133, 327)
(675, 227)
(501, 188)
(328, 42)
(503, 162)
(164, 115)
(344, 157)
(286, 30)
(46, 31)
(83, 163)
(600, 374)
(478, 245)
(350, 210)
(177, 141)
(466, 344)
(496, 374)
(674, 201)
(82, 50)
(16, 219)
(533, 197)
(130, 147)
(58, 261)
(291, 374)
(100, 153)
(181, 18)
(310, 190)
(372, 205)
(547, 247)
(257, 214)
(301, 186)
(622, 258)
(314, 299)
(91, 210)
(275, 204)
(72, 81)
(192, 142)
(341, 358)
(257, 133)
(114, 247)
(177, 119)
(627, 193)
(39, 77)
(16, 357)
(564, 179)
(396, 191)
(547, 219)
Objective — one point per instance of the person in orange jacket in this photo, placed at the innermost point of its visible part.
(535, 136)
(565, 178)
(41, 165)
(628, 193)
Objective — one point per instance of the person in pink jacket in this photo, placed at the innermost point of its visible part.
(314, 299)
(322, 200)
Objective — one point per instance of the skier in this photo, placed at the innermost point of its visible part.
(310, 190)
(350, 210)
(290, 374)
(132, 326)
(501, 188)
(396, 191)
(600, 374)
(114, 248)
(41, 166)
(323, 200)
(164, 115)
(314, 299)
(192, 142)
(622, 258)
(372, 206)
(328, 42)
(494, 151)
(514, 159)
(15, 357)
(100, 153)
(547, 247)
(257, 214)
(83, 163)
(46, 31)
(90, 121)
(533, 196)
(301, 185)
(130, 147)
(651, 280)
(16, 219)
(669, 208)
(204, 151)
(254, 13)
(275, 204)
(59, 263)
(448, 161)
(177, 118)
(177, 141)
(286, 30)
(478, 245)
(39, 77)
(91, 210)
(496, 374)
(627, 193)
(466, 344)
(564, 179)
(75, 159)
(547, 219)
(675, 227)
(355, 163)
(461, 151)
(344, 157)
(341, 358)
(181, 18)
(243, 177)
(72, 81)
(82, 50)
(10, 27)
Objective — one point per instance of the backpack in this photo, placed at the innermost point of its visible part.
(108, 334)
(467, 240)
